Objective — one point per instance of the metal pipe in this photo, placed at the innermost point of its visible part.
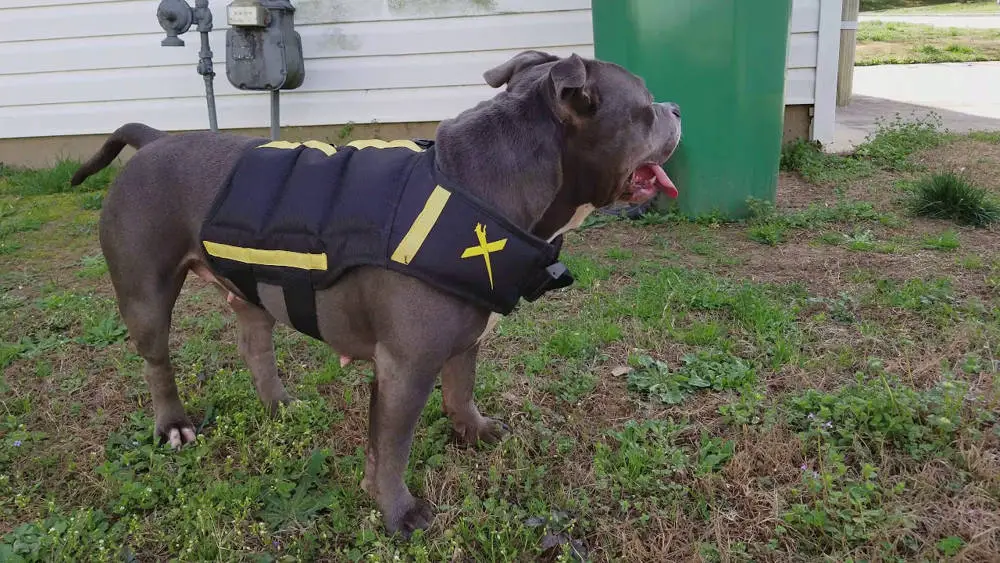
(203, 16)
(275, 127)
(213, 121)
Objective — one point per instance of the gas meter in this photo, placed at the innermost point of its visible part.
(263, 50)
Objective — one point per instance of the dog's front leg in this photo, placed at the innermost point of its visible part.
(458, 382)
(256, 346)
(399, 393)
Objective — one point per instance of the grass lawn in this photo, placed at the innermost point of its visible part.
(903, 43)
(915, 8)
(817, 383)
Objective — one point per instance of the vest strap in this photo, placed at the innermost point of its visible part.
(554, 276)
(300, 302)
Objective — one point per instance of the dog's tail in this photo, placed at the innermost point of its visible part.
(136, 135)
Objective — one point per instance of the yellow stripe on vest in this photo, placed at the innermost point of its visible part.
(288, 259)
(421, 227)
(328, 149)
(379, 144)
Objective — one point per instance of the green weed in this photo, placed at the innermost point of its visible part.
(972, 262)
(619, 253)
(641, 460)
(861, 240)
(83, 535)
(104, 330)
(992, 137)
(572, 385)
(946, 241)
(761, 314)
(930, 6)
(747, 409)
(53, 180)
(713, 454)
(932, 296)
(709, 333)
(838, 508)
(895, 140)
(950, 546)
(809, 161)
(952, 197)
(873, 415)
(92, 201)
(586, 271)
(768, 226)
(93, 266)
(888, 148)
(905, 43)
(704, 370)
(770, 234)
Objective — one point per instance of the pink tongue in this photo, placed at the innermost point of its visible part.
(666, 184)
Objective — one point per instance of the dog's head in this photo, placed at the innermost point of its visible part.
(616, 137)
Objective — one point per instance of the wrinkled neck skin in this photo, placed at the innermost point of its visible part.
(509, 153)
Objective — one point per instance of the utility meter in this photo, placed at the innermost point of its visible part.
(263, 50)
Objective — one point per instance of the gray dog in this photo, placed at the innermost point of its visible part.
(568, 135)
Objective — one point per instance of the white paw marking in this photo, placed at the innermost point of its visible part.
(174, 437)
(177, 438)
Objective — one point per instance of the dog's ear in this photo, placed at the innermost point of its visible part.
(569, 83)
(500, 75)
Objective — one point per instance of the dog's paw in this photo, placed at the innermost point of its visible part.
(492, 431)
(417, 515)
(488, 431)
(177, 434)
(274, 407)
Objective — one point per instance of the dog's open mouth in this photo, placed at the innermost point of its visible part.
(645, 182)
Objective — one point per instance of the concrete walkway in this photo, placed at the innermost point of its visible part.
(973, 21)
(962, 95)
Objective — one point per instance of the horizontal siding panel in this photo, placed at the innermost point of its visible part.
(800, 86)
(802, 50)
(386, 106)
(805, 16)
(485, 33)
(139, 17)
(9, 4)
(337, 11)
(324, 75)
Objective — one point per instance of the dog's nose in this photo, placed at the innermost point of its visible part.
(675, 109)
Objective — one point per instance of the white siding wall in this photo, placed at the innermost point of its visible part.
(70, 67)
(803, 44)
(813, 51)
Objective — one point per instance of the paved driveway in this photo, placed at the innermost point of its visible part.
(963, 95)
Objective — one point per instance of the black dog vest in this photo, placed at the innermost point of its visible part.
(300, 215)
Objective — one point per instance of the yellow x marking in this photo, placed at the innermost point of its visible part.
(484, 248)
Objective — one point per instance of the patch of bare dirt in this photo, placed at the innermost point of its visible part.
(796, 193)
(978, 160)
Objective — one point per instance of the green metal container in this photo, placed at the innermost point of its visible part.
(723, 62)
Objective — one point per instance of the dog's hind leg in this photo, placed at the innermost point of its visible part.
(146, 303)
(256, 345)
(458, 380)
